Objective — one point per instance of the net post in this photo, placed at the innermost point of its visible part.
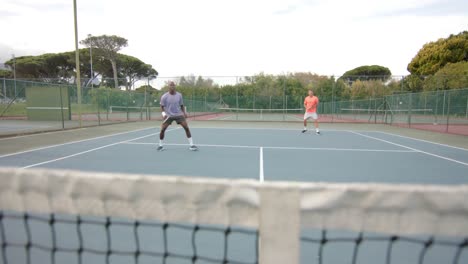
(279, 233)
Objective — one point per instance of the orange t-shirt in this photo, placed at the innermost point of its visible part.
(311, 103)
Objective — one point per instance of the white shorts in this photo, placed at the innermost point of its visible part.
(308, 115)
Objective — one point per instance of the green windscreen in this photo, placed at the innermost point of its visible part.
(50, 103)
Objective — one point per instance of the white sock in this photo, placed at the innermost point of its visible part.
(317, 130)
(160, 142)
(190, 141)
(305, 128)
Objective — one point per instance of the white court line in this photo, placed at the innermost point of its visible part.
(200, 145)
(226, 118)
(417, 150)
(295, 117)
(299, 129)
(91, 150)
(220, 117)
(422, 140)
(73, 142)
(344, 149)
(285, 148)
(262, 175)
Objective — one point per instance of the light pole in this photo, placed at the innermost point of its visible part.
(77, 60)
(91, 60)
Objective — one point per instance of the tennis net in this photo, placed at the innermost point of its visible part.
(51, 216)
(252, 114)
(387, 116)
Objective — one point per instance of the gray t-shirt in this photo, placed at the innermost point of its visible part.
(172, 104)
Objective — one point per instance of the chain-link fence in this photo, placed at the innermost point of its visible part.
(257, 98)
(445, 111)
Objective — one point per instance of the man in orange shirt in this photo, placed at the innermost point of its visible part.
(310, 103)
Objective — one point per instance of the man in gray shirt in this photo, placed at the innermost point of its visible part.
(173, 109)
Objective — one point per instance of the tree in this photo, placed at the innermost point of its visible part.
(133, 69)
(108, 47)
(413, 83)
(433, 56)
(101, 66)
(372, 72)
(451, 76)
(52, 67)
(5, 73)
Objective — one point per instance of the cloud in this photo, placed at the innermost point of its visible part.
(46, 5)
(6, 52)
(287, 10)
(437, 8)
(7, 13)
(212, 37)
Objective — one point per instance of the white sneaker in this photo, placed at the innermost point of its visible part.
(193, 148)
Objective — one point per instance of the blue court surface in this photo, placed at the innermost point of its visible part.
(264, 154)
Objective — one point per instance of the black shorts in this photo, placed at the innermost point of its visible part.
(170, 119)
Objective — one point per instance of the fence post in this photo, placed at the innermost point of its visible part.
(437, 107)
(108, 104)
(4, 89)
(352, 109)
(466, 112)
(443, 104)
(369, 105)
(193, 93)
(448, 114)
(61, 107)
(128, 109)
(205, 106)
(237, 99)
(410, 105)
(425, 103)
(284, 95)
(333, 99)
(98, 110)
(285, 112)
(375, 111)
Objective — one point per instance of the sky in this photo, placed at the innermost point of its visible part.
(239, 37)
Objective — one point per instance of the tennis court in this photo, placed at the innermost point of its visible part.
(263, 153)
(286, 155)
